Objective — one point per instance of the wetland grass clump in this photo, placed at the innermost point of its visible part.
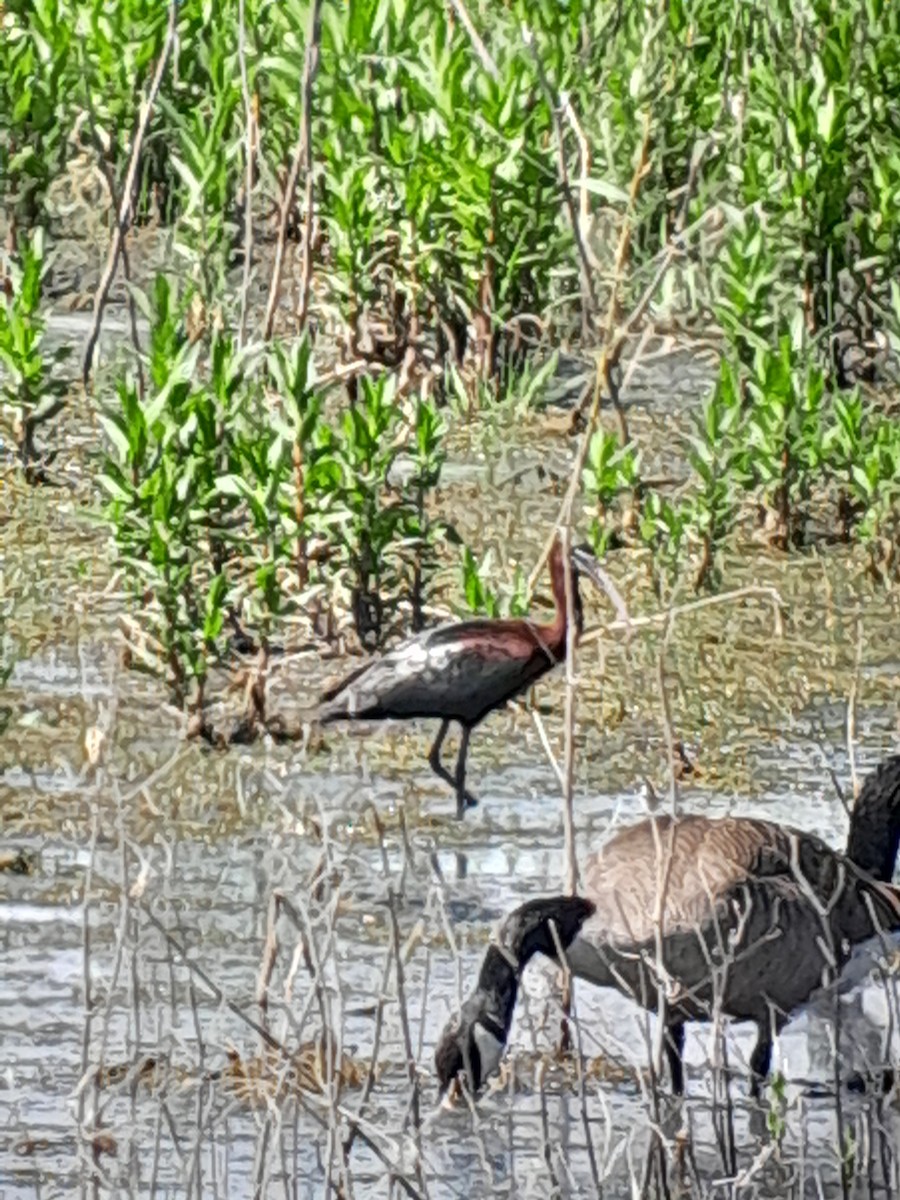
(231, 491)
(776, 451)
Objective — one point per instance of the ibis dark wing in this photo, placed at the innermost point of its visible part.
(459, 671)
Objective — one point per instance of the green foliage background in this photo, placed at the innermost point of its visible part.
(532, 166)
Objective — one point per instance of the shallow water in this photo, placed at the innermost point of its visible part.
(125, 1071)
(207, 874)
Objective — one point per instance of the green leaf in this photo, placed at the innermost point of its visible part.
(604, 188)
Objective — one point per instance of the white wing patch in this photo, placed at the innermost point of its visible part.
(410, 660)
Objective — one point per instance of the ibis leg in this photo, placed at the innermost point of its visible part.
(464, 799)
(434, 755)
(674, 1045)
(457, 782)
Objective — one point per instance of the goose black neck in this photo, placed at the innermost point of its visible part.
(537, 927)
(874, 836)
(498, 981)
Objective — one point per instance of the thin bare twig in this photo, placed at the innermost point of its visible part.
(548, 749)
(305, 1102)
(269, 956)
(569, 745)
(250, 143)
(400, 977)
(762, 591)
(109, 176)
(608, 357)
(478, 45)
(584, 154)
(373, 1059)
(564, 529)
(851, 711)
(562, 959)
(308, 201)
(302, 155)
(588, 295)
(125, 207)
(88, 990)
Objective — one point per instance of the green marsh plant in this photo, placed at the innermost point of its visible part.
(33, 392)
(166, 513)
(227, 475)
(481, 595)
(383, 465)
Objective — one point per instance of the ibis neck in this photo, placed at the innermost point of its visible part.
(874, 835)
(559, 627)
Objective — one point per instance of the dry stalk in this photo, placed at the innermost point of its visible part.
(663, 851)
(761, 591)
(611, 348)
(851, 711)
(585, 163)
(251, 141)
(306, 951)
(664, 866)
(373, 1061)
(310, 1104)
(302, 157)
(668, 731)
(332, 1041)
(205, 1102)
(478, 45)
(569, 746)
(308, 203)
(547, 1142)
(563, 961)
(588, 296)
(269, 957)
(829, 951)
(261, 1159)
(400, 976)
(108, 175)
(124, 218)
(718, 972)
(614, 340)
(548, 749)
(88, 992)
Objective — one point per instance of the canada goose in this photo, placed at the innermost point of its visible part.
(463, 670)
(739, 913)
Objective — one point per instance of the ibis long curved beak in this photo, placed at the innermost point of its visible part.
(586, 563)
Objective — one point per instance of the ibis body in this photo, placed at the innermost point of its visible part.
(463, 670)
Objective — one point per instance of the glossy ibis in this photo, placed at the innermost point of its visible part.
(463, 670)
(749, 913)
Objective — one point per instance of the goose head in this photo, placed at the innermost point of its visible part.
(473, 1041)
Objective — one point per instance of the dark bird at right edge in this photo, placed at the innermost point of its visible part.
(463, 670)
(753, 917)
